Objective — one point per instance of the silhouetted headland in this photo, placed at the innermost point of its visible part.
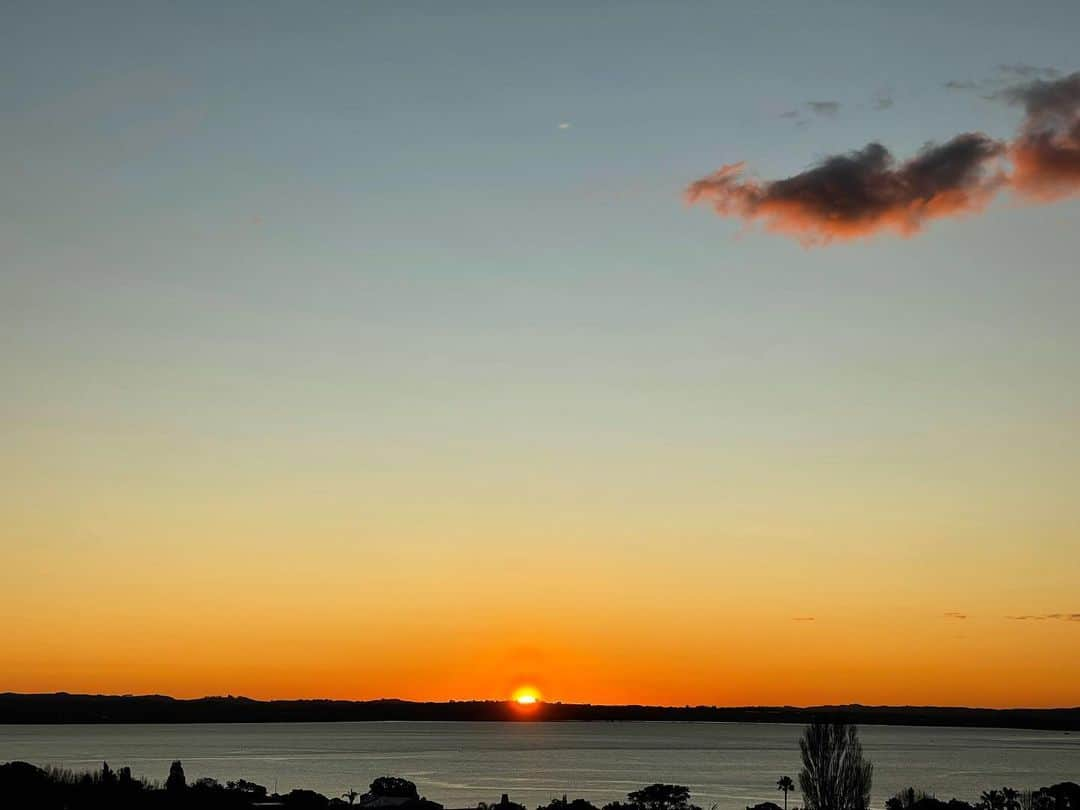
(68, 708)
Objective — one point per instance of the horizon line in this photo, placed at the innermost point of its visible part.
(548, 702)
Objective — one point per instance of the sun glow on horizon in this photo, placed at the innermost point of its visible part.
(526, 696)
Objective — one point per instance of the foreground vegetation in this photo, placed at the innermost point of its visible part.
(835, 776)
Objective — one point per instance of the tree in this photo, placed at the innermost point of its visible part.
(565, 804)
(394, 786)
(785, 784)
(350, 794)
(835, 776)
(908, 797)
(176, 781)
(1010, 798)
(992, 800)
(661, 797)
(250, 790)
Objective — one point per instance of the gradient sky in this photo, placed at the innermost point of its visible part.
(337, 367)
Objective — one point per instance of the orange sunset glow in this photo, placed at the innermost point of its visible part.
(666, 354)
(526, 696)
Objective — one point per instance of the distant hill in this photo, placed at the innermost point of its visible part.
(62, 707)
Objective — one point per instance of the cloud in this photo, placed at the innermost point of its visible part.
(1042, 617)
(862, 192)
(952, 614)
(866, 192)
(1019, 70)
(882, 100)
(803, 618)
(1046, 154)
(828, 109)
(1005, 76)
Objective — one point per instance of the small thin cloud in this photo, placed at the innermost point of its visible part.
(565, 125)
(1043, 617)
(803, 618)
(1006, 75)
(882, 100)
(789, 114)
(1020, 70)
(827, 109)
(952, 614)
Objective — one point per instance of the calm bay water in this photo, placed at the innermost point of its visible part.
(729, 765)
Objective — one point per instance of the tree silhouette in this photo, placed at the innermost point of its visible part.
(566, 804)
(350, 794)
(992, 800)
(1010, 798)
(394, 786)
(661, 797)
(785, 784)
(176, 781)
(835, 776)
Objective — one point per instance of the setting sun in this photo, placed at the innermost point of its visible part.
(526, 696)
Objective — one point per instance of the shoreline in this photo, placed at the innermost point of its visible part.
(75, 709)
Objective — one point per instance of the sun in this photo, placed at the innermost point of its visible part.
(526, 696)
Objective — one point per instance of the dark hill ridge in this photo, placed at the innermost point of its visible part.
(62, 707)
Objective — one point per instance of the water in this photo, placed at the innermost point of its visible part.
(729, 765)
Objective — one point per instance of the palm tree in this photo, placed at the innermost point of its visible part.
(350, 794)
(785, 784)
(835, 776)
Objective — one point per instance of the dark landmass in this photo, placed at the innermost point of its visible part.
(67, 708)
(24, 785)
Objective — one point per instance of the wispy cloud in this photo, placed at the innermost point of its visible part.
(1020, 70)
(828, 109)
(804, 618)
(1005, 76)
(882, 100)
(952, 614)
(866, 192)
(1042, 617)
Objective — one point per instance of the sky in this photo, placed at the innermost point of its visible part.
(376, 349)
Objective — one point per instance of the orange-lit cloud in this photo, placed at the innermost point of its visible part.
(866, 192)
(861, 193)
(1046, 154)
